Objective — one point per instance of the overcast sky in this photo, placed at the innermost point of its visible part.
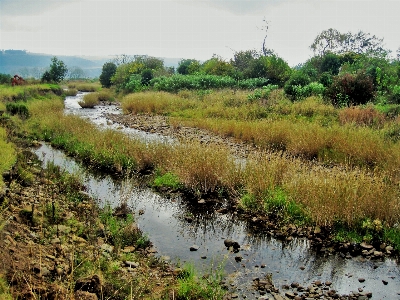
(188, 28)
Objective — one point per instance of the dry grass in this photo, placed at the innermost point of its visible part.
(89, 100)
(345, 195)
(327, 194)
(362, 116)
(84, 86)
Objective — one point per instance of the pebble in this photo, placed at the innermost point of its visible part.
(194, 248)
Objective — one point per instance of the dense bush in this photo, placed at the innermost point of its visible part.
(262, 93)
(297, 80)
(134, 84)
(18, 108)
(351, 89)
(5, 78)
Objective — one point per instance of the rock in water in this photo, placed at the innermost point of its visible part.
(231, 243)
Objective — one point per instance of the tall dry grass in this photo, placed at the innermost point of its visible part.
(327, 194)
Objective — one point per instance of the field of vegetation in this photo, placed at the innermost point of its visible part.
(327, 133)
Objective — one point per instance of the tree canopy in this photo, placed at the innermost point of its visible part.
(58, 71)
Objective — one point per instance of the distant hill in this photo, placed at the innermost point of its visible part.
(28, 64)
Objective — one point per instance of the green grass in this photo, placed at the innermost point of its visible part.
(8, 155)
(167, 180)
(192, 286)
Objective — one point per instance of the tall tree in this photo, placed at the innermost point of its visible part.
(58, 71)
(107, 73)
(331, 40)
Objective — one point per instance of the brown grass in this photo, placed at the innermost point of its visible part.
(328, 194)
(362, 116)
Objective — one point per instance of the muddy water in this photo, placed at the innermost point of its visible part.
(172, 234)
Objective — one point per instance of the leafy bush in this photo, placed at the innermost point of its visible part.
(262, 93)
(5, 78)
(134, 84)
(348, 89)
(179, 82)
(311, 89)
(297, 80)
(395, 98)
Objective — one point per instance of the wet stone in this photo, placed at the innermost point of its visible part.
(194, 248)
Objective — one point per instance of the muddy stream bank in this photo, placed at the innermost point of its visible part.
(175, 225)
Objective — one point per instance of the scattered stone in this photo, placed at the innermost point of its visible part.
(81, 295)
(366, 246)
(194, 248)
(107, 248)
(238, 258)
(131, 264)
(361, 279)
(231, 243)
(128, 249)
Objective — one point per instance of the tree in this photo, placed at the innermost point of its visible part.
(243, 61)
(217, 66)
(107, 73)
(58, 71)
(336, 42)
(184, 66)
(76, 73)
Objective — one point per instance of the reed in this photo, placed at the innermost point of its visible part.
(325, 195)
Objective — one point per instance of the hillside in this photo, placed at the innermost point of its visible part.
(28, 64)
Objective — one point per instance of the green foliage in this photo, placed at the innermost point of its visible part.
(311, 89)
(395, 97)
(147, 76)
(278, 205)
(5, 78)
(217, 66)
(191, 286)
(107, 73)
(188, 66)
(121, 232)
(18, 108)
(168, 180)
(243, 62)
(296, 80)
(179, 82)
(58, 71)
(262, 93)
(275, 69)
(134, 84)
(249, 202)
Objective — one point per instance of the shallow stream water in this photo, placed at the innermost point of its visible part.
(172, 234)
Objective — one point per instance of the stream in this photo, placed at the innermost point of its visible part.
(165, 223)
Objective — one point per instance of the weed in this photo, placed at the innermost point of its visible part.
(191, 286)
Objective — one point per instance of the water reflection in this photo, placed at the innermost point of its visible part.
(172, 233)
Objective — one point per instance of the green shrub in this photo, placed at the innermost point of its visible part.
(297, 80)
(262, 93)
(134, 84)
(395, 97)
(18, 108)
